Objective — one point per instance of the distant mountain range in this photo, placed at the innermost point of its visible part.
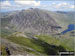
(37, 20)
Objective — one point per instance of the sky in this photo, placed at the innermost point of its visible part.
(52, 5)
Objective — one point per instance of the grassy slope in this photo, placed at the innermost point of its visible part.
(25, 42)
(45, 44)
(66, 42)
(14, 48)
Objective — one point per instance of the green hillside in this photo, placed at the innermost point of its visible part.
(42, 44)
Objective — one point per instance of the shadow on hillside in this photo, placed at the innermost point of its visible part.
(48, 49)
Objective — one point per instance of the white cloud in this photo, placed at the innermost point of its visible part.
(64, 5)
(72, 6)
(5, 4)
(59, 5)
(31, 3)
(18, 4)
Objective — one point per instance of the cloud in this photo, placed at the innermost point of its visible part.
(31, 3)
(63, 5)
(72, 6)
(18, 4)
(5, 4)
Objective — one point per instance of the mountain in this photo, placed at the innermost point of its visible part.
(34, 31)
(33, 20)
(37, 21)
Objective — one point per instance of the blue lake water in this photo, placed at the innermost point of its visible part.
(70, 28)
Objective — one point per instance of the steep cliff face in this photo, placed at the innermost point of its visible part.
(34, 21)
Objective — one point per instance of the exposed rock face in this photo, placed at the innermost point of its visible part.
(33, 21)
